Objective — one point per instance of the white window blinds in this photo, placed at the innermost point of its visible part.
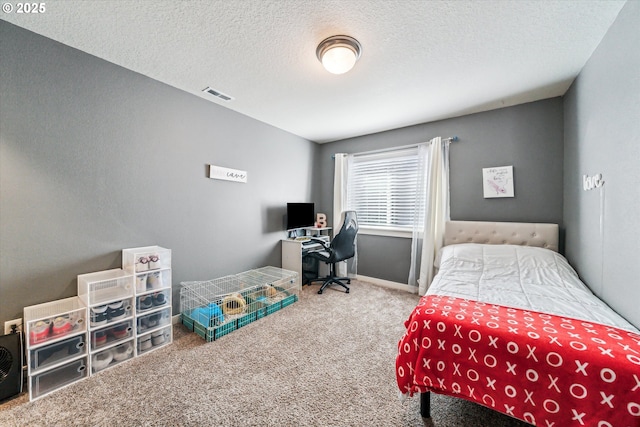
(384, 188)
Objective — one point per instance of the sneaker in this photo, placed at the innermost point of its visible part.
(154, 280)
(120, 331)
(40, 331)
(157, 338)
(101, 360)
(122, 352)
(62, 325)
(145, 302)
(144, 343)
(116, 311)
(142, 264)
(141, 283)
(159, 299)
(154, 262)
(99, 315)
(99, 338)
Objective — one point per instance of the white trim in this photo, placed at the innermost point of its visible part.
(384, 231)
(175, 319)
(390, 149)
(385, 283)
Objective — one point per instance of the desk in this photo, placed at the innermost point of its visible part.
(293, 250)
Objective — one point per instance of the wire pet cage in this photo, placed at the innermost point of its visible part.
(214, 308)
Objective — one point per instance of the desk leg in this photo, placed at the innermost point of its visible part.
(292, 258)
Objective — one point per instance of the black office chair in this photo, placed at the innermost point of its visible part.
(341, 248)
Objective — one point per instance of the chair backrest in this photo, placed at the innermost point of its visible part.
(344, 244)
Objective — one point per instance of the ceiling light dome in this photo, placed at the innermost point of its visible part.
(339, 54)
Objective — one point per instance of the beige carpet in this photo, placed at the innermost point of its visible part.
(327, 360)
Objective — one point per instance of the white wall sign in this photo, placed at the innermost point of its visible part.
(497, 182)
(218, 172)
(591, 182)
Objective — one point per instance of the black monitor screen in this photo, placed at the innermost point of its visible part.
(300, 215)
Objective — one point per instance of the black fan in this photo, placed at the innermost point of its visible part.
(6, 362)
(10, 365)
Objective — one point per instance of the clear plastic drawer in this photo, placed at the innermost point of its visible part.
(154, 340)
(153, 280)
(107, 314)
(58, 352)
(112, 356)
(112, 334)
(56, 378)
(55, 319)
(152, 301)
(148, 258)
(154, 320)
(105, 286)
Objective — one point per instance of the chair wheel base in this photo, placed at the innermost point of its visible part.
(332, 279)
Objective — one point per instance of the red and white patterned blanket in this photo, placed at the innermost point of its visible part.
(544, 369)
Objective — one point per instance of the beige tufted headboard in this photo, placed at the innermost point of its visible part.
(501, 233)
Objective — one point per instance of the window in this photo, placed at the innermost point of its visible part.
(386, 189)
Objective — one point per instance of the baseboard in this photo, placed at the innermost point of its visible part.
(175, 319)
(386, 283)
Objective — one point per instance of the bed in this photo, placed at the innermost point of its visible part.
(507, 323)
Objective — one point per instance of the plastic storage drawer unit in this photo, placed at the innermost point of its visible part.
(104, 287)
(54, 320)
(108, 314)
(112, 356)
(145, 259)
(152, 301)
(56, 378)
(153, 280)
(154, 340)
(154, 320)
(45, 356)
(111, 334)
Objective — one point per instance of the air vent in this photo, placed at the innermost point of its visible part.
(218, 94)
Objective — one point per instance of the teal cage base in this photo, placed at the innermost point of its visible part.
(212, 333)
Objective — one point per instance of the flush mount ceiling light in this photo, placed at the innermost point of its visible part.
(339, 54)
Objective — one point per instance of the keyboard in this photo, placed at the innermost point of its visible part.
(311, 247)
(311, 244)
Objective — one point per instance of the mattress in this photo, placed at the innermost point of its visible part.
(522, 277)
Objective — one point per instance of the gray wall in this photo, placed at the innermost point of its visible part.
(95, 158)
(528, 136)
(602, 135)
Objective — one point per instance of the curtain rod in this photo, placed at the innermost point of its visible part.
(403, 147)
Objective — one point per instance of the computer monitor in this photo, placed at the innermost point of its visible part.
(300, 215)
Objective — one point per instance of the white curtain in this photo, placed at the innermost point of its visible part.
(427, 237)
(349, 267)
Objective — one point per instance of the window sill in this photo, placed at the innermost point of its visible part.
(387, 232)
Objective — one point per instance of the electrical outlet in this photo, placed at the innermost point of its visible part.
(9, 323)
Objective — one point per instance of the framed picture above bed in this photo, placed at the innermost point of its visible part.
(497, 182)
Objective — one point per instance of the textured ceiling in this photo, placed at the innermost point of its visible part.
(421, 61)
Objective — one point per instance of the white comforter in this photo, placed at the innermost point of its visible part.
(521, 277)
